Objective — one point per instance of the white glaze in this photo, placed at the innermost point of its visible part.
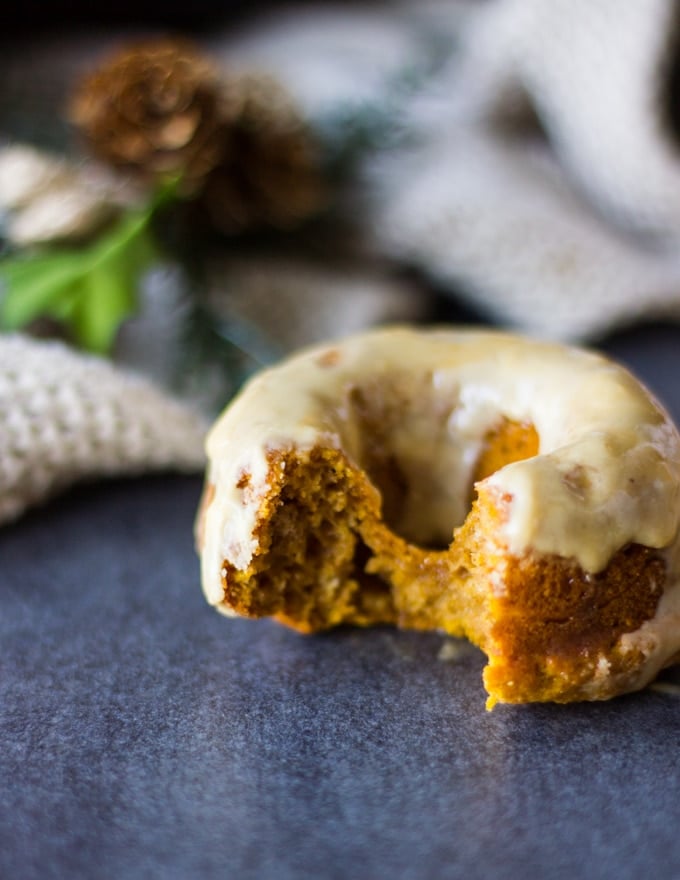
(594, 420)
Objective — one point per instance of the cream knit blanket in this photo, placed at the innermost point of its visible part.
(65, 417)
(545, 188)
(541, 176)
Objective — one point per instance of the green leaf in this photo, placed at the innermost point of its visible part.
(34, 287)
(107, 298)
(91, 290)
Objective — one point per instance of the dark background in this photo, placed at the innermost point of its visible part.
(34, 15)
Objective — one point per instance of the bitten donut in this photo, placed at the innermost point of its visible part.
(518, 493)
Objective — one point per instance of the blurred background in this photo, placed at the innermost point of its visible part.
(342, 164)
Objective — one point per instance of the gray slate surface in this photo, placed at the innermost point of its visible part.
(144, 736)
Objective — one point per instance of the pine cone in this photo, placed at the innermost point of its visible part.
(269, 174)
(155, 107)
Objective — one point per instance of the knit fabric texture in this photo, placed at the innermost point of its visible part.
(67, 417)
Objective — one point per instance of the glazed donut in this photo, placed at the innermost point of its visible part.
(519, 493)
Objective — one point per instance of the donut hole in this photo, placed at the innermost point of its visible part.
(397, 430)
(402, 438)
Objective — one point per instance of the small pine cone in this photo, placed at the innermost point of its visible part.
(154, 107)
(270, 171)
